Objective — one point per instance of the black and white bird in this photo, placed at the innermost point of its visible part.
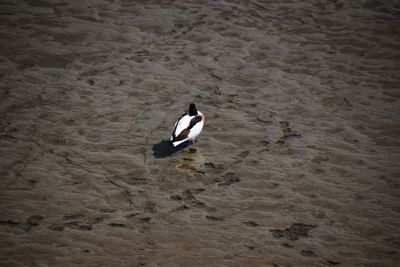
(188, 126)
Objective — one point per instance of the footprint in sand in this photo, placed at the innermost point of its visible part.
(294, 232)
(189, 199)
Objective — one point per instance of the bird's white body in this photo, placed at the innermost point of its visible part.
(181, 128)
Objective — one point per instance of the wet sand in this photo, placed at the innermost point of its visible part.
(297, 165)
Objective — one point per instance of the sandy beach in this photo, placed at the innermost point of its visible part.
(297, 164)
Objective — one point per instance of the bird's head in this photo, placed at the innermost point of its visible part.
(192, 110)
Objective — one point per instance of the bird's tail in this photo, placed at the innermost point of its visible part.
(177, 143)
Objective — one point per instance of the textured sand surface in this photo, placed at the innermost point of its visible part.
(297, 165)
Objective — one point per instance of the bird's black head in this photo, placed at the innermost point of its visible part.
(192, 110)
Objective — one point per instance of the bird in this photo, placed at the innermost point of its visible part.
(187, 127)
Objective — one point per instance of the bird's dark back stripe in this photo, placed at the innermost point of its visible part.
(194, 121)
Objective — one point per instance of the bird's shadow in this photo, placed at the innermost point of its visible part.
(165, 148)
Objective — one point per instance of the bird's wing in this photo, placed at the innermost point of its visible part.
(183, 127)
(179, 125)
(185, 131)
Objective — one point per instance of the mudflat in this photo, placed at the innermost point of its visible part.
(297, 164)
